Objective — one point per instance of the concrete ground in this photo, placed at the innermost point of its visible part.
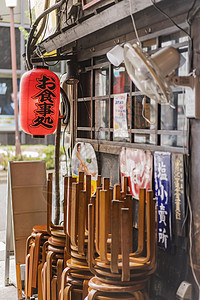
(8, 292)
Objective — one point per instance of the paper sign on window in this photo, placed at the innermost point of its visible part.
(120, 116)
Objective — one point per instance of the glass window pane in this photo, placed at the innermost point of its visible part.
(6, 101)
(83, 134)
(145, 138)
(84, 114)
(182, 120)
(101, 82)
(169, 116)
(144, 112)
(101, 119)
(121, 80)
(183, 70)
(84, 86)
(5, 58)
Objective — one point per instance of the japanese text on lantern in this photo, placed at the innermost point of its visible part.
(44, 111)
(162, 177)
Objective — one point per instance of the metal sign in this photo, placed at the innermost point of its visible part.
(162, 177)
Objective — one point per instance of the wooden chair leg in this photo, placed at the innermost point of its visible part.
(44, 282)
(92, 294)
(125, 244)
(138, 295)
(85, 288)
(49, 273)
(26, 274)
(19, 282)
(54, 289)
(146, 297)
(36, 259)
(67, 293)
(40, 281)
(63, 282)
(59, 275)
(30, 290)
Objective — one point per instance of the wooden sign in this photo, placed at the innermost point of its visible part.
(26, 207)
(178, 194)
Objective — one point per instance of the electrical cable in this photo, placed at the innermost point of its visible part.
(43, 58)
(191, 8)
(30, 13)
(42, 27)
(143, 111)
(168, 17)
(66, 106)
(187, 174)
(134, 25)
(31, 34)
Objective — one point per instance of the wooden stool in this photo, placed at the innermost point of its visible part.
(34, 246)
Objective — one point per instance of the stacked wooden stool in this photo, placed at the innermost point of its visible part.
(76, 275)
(34, 261)
(54, 252)
(120, 272)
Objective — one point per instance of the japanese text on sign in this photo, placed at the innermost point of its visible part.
(120, 116)
(162, 175)
(178, 194)
(45, 105)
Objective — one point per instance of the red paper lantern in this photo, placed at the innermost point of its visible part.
(39, 101)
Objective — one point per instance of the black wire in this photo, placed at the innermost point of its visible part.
(30, 13)
(167, 16)
(193, 4)
(66, 105)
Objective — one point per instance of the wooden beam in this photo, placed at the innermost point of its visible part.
(105, 18)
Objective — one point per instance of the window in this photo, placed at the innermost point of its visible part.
(143, 121)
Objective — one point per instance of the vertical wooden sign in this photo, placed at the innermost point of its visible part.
(178, 194)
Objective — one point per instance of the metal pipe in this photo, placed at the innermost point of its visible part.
(14, 81)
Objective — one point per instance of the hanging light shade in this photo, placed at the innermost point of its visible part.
(71, 72)
(39, 102)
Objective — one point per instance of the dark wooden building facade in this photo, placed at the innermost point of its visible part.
(90, 29)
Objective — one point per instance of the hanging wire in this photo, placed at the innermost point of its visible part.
(143, 111)
(189, 11)
(43, 58)
(189, 207)
(168, 17)
(30, 13)
(134, 26)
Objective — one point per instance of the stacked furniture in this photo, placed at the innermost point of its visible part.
(76, 275)
(91, 256)
(119, 272)
(54, 252)
(34, 260)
